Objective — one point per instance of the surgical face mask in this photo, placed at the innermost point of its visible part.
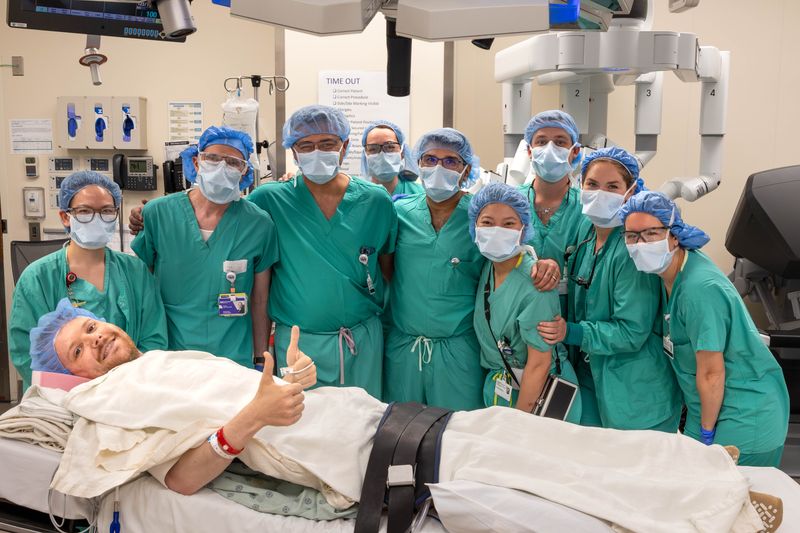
(91, 235)
(498, 244)
(651, 257)
(384, 167)
(601, 207)
(318, 166)
(440, 183)
(218, 182)
(551, 162)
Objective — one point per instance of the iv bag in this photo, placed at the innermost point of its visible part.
(241, 114)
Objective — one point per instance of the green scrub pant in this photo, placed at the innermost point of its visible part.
(771, 458)
(590, 413)
(443, 372)
(490, 398)
(350, 357)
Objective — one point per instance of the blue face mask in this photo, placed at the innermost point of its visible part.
(318, 166)
(440, 183)
(91, 235)
(551, 162)
(219, 183)
(384, 167)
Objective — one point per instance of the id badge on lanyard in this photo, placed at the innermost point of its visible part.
(233, 304)
(502, 387)
(667, 341)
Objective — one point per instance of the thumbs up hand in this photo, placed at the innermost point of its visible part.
(304, 372)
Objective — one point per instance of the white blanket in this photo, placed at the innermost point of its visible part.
(38, 419)
(148, 412)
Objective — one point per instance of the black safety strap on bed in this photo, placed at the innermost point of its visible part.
(404, 458)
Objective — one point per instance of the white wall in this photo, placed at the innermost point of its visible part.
(763, 109)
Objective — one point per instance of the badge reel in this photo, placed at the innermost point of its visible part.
(234, 303)
(363, 258)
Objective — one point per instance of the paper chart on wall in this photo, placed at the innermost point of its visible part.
(185, 121)
(361, 96)
(31, 135)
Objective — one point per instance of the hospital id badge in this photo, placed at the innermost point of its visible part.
(502, 389)
(668, 347)
(232, 304)
(562, 286)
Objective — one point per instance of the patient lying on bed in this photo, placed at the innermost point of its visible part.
(154, 413)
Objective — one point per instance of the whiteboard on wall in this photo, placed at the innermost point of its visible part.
(361, 96)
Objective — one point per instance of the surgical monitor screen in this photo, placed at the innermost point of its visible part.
(115, 19)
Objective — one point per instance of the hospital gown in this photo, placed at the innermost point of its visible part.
(516, 308)
(705, 313)
(321, 286)
(190, 271)
(626, 383)
(432, 355)
(129, 299)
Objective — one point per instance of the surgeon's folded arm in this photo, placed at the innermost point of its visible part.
(272, 405)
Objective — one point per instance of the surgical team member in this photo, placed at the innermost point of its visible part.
(110, 284)
(432, 355)
(508, 307)
(733, 387)
(212, 253)
(387, 160)
(333, 229)
(552, 138)
(624, 378)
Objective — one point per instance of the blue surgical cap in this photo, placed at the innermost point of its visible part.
(410, 170)
(237, 139)
(551, 119)
(314, 120)
(500, 193)
(450, 139)
(77, 181)
(656, 204)
(624, 158)
(43, 336)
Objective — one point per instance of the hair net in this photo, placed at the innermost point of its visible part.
(500, 193)
(220, 135)
(410, 170)
(450, 139)
(623, 157)
(656, 204)
(551, 119)
(77, 181)
(43, 336)
(313, 120)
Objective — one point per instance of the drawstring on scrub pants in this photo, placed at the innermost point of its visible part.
(346, 335)
(425, 346)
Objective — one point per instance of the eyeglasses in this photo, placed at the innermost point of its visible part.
(646, 235)
(389, 147)
(86, 214)
(449, 162)
(325, 145)
(216, 159)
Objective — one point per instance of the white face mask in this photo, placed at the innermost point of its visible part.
(218, 182)
(551, 162)
(440, 183)
(498, 244)
(602, 207)
(651, 257)
(318, 166)
(91, 235)
(384, 167)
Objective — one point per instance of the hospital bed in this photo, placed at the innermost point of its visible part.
(145, 505)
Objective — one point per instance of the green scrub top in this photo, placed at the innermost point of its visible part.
(408, 187)
(432, 355)
(705, 313)
(130, 300)
(320, 285)
(516, 308)
(632, 382)
(551, 240)
(190, 271)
